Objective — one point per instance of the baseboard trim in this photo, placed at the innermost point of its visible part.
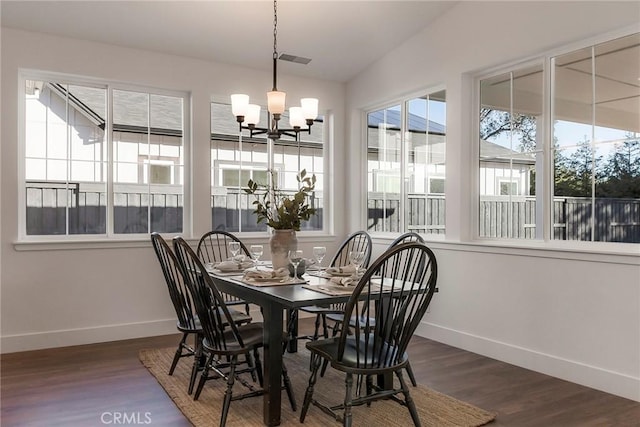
(80, 336)
(590, 376)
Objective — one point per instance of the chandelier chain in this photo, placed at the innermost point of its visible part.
(275, 30)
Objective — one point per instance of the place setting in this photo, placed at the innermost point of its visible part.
(342, 280)
(238, 263)
(291, 275)
(352, 270)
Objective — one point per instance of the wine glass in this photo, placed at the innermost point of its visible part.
(356, 258)
(256, 252)
(234, 248)
(318, 254)
(295, 258)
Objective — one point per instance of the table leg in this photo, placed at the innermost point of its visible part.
(272, 400)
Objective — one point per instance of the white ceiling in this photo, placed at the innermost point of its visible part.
(341, 37)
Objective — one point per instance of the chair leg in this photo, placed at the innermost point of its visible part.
(178, 354)
(369, 381)
(359, 381)
(291, 322)
(316, 332)
(251, 365)
(408, 400)
(258, 368)
(197, 364)
(412, 378)
(312, 381)
(289, 388)
(229, 393)
(347, 418)
(325, 330)
(203, 377)
(325, 363)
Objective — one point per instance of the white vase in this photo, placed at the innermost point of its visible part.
(281, 242)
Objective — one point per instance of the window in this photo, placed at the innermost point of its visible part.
(405, 166)
(593, 143)
(510, 113)
(89, 172)
(235, 159)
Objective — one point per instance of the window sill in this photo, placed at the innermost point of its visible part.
(76, 244)
(139, 241)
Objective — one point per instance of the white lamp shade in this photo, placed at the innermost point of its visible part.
(309, 108)
(275, 102)
(295, 117)
(239, 103)
(253, 114)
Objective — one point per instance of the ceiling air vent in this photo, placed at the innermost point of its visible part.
(296, 59)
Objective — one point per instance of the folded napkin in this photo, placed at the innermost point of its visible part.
(267, 274)
(343, 281)
(233, 265)
(344, 270)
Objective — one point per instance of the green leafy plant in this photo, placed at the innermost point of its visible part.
(282, 210)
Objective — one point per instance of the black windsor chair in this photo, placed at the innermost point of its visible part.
(188, 321)
(388, 303)
(214, 247)
(338, 318)
(220, 342)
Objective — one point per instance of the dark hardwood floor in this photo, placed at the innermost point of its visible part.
(89, 385)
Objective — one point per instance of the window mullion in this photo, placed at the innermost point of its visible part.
(110, 173)
(593, 143)
(404, 164)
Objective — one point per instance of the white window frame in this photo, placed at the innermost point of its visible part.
(404, 155)
(544, 154)
(96, 239)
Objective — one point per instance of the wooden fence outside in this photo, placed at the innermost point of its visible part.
(617, 220)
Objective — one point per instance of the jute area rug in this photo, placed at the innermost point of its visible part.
(435, 409)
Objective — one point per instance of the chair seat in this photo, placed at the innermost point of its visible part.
(353, 359)
(190, 329)
(336, 317)
(251, 335)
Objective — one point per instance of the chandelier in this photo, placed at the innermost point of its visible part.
(300, 118)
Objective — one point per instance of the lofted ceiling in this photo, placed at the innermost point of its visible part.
(341, 37)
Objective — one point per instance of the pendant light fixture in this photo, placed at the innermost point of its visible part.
(248, 113)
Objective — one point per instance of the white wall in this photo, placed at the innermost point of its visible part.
(567, 313)
(66, 294)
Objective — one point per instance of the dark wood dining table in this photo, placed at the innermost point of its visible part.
(275, 301)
